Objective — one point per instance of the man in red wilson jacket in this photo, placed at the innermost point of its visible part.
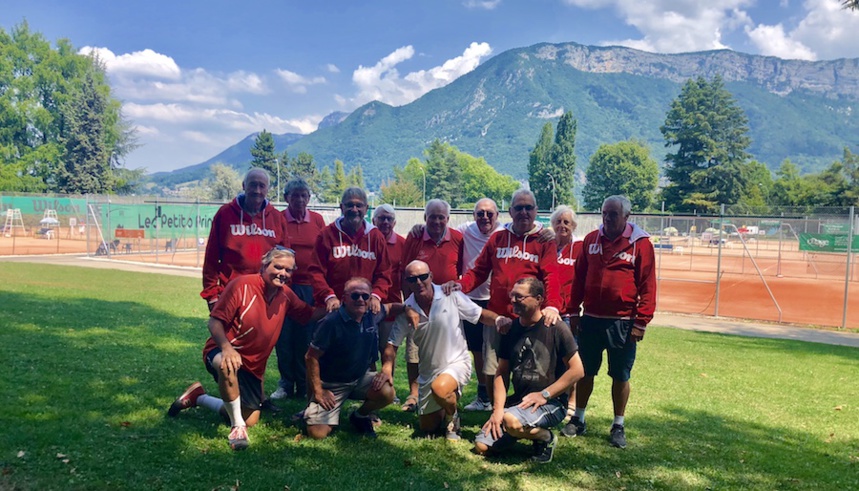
(616, 280)
(510, 254)
(242, 231)
(349, 247)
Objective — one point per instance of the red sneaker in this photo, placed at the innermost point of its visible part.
(187, 399)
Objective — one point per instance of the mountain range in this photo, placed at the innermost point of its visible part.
(802, 110)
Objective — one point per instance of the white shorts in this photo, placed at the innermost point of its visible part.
(460, 371)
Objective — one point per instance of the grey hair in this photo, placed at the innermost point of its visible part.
(625, 204)
(560, 210)
(437, 202)
(386, 208)
(481, 200)
(523, 192)
(253, 170)
(354, 193)
(297, 184)
(276, 252)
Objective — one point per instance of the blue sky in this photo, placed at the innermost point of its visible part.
(197, 76)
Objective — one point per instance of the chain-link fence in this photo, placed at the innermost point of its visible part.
(782, 266)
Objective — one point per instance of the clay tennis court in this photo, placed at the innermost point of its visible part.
(809, 291)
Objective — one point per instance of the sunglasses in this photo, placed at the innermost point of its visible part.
(523, 207)
(363, 296)
(420, 277)
(485, 214)
(281, 248)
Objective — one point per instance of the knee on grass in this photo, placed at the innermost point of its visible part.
(319, 432)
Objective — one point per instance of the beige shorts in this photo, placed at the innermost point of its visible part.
(491, 342)
(357, 391)
(461, 372)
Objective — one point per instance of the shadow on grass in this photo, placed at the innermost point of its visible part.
(90, 380)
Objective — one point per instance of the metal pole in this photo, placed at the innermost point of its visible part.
(553, 189)
(109, 238)
(847, 277)
(659, 264)
(780, 234)
(719, 259)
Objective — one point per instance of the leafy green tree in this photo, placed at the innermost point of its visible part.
(339, 182)
(40, 87)
(356, 177)
(705, 128)
(225, 182)
(850, 4)
(325, 182)
(304, 167)
(86, 160)
(538, 167)
(443, 173)
(480, 180)
(400, 192)
(264, 157)
(621, 168)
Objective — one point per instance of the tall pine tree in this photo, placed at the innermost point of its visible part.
(538, 167)
(265, 158)
(552, 164)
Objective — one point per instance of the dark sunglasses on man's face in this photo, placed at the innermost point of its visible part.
(363, 296)
(420, 277)
(523, 207)
(485, 214)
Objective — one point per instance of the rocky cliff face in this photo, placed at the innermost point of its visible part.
(835, 78)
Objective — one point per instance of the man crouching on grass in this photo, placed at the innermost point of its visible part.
(544, 363)
(245, 325)
(341, 362)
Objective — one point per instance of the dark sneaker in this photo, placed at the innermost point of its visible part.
(543, 451)
(453, 430)
(239, 438)
(363, 425)
(574, 428)
(187, 400)
(269, 406)
(376, 420)
(479, 404)
(618, 437)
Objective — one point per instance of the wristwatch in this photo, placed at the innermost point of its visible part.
(546, 395)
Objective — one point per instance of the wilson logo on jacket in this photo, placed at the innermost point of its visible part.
(342, 251)
(252, 229)
(516, 253)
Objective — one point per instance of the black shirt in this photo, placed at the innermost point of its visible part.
(348, 347)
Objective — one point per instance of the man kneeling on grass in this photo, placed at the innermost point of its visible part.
(544, 363)
(245, 325)
(445, 365)
(341, 362)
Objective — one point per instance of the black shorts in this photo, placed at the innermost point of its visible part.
(474, 332)
(250, 387)
(610, 335)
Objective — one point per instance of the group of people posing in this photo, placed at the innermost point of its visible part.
(522, 304)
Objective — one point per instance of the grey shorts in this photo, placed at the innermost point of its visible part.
(356, 390)
(491, 342)
(548, 415)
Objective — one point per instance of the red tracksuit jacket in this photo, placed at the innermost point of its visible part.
(237, 243)
(338, 257)
(616, 279)
(509, 257)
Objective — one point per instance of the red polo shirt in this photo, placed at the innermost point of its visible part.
(302, 234)
(444, 257)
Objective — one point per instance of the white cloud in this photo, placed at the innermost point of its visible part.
(242, 81)
(219, 118)
(147, 62)
(331, 67)
(146, 130)
(671, 26)
(196, 136)
(772, 41)
(298, 83)
(382, 81)
(828, 30)
(481, 4)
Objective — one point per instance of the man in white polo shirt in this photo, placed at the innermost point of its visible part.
(445, 364)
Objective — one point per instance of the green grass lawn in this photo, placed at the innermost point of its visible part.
(95, 357)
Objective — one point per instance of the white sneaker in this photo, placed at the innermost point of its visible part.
(479, 404)
(279, 394)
